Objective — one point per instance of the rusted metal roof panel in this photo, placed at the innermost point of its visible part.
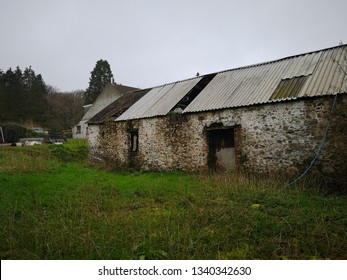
(160, 100)
(313, 74)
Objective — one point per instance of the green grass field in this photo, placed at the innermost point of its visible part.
(53, 205)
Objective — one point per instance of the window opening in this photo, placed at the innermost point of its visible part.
(134, 141)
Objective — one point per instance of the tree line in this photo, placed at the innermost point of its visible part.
(26, 99)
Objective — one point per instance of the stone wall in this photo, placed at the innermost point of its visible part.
(108, 144)
(274, 137)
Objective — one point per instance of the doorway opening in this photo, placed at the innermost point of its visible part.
(221, 148)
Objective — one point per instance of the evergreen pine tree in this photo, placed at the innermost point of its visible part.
(100, 77)
(18, 97)
(9, 94)
(36, 96)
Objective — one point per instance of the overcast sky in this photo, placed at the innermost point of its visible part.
(153, 42)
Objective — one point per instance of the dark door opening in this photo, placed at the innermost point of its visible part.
(221, 148)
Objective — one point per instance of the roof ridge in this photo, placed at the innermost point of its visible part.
(252, 65)
(179, 81)
(280, 59)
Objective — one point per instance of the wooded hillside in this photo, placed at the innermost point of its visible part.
(26, 99)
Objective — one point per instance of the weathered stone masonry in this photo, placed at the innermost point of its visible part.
(274, 137)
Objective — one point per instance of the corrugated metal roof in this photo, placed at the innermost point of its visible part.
(303, 65)
(263, 83)
(110, 93)
(119, 106)
(159, 100)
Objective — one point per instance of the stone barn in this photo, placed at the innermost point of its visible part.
(277, 116)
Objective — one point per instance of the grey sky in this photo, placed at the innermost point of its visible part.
(152, 42)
